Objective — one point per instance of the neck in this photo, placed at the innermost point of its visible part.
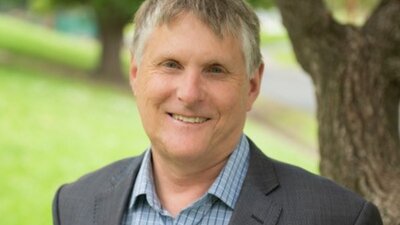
(178, 186)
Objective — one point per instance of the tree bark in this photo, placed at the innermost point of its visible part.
(356, 74)
(110, 35)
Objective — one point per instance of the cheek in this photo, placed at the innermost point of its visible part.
(151, 93)
(231, 101)
(153, 87)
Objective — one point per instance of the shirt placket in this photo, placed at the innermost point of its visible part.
(195, 214)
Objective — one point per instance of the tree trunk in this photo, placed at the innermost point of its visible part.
(356, 74)
(110, 36)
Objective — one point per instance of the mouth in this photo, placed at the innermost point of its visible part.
(188, 119)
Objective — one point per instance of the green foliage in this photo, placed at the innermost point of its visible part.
(9, 4)
(41, 5)
(351, 11)
(261, 3)
(120, 8)
(341, 4)
(117, 10)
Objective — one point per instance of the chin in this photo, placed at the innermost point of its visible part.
(193, 150)
(184, 150)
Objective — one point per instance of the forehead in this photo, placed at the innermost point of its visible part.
(188, 35)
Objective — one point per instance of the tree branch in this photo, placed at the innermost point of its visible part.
(313, 33)
(303, 16)
(383, 30)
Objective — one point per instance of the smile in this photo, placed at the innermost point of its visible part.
(188, 119)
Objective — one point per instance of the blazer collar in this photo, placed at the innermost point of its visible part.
(110, 205)
(254, 206)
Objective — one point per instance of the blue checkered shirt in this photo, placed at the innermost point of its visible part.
(214, 208)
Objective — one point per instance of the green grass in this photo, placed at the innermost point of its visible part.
(55, 129)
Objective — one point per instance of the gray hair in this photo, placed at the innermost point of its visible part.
(222, 16)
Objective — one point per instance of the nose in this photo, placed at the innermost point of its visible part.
(190, 88)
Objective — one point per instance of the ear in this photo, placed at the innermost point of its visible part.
(255, 85)
(133, 71)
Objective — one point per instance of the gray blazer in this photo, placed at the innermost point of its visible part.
(273, 193)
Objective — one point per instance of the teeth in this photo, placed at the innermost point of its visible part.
(189, 119)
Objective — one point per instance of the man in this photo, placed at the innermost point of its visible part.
(196, 71)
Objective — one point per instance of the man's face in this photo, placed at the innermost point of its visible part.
(192, 91)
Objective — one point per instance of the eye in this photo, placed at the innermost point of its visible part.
(216, 69)
(171, 64)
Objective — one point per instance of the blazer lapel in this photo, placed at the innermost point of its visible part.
(254, 206)
(110, 205)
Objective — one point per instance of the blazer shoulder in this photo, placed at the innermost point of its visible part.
(76, 203)
(102, 179)
(317, 195)
(291, 176)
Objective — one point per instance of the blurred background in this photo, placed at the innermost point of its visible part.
(66, 107)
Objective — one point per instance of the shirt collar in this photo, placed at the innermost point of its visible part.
(144, 184)
(226, 187)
